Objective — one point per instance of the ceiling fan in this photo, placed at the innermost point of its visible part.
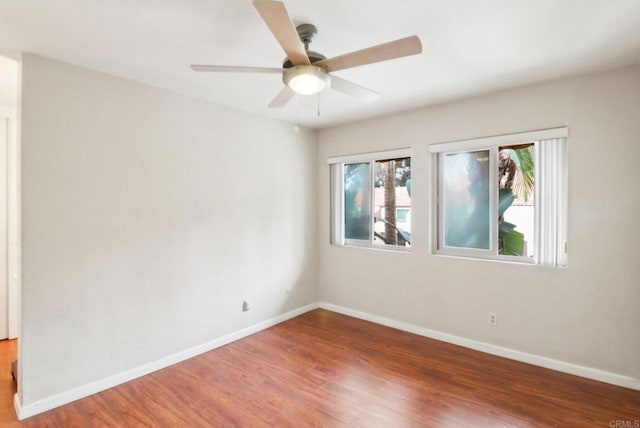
(306, 72)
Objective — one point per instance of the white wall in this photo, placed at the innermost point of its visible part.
(587, 314)
(147, 218)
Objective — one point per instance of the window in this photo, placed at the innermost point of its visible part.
(502, 197)
(371, 199)
(402, 215)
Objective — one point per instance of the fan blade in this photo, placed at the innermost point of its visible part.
(396, 49)
(282, 98)
(353, 90)
(229, 69)
(275, 15)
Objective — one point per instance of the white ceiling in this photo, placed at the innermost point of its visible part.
(469, 46)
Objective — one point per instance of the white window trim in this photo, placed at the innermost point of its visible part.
(552, 254)
(337, 197)
(373, 156)
(499, 140)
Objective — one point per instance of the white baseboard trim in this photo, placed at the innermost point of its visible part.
(536, 360)
(94, 387)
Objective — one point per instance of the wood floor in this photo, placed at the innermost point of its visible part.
(7, 385)
(326, 369)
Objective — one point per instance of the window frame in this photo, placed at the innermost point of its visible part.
(337, 197)
(438, 152)
(493, 208)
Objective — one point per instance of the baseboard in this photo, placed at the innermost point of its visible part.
(25, 411)
(537, 360)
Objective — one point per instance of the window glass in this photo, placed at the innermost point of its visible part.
(357, 205)
(516, 190)
(371, 199)
(392, 180)
(466, 192)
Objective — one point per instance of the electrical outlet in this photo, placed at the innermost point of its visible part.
(493, 319)
(245, 306)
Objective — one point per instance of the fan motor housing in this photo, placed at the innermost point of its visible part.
(313, 58)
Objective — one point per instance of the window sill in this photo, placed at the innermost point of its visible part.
(518, 261)
(401, 250)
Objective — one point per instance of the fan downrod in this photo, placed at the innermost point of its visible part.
(306, 32)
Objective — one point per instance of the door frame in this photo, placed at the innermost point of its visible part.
(13, 222)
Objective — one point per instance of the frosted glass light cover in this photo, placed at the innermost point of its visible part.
(306, 84)
(306, 79)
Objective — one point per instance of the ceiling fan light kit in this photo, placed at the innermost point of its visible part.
(306, 79)
(306, 72)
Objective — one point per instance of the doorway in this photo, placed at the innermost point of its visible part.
(9, 239)
(9, 230)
